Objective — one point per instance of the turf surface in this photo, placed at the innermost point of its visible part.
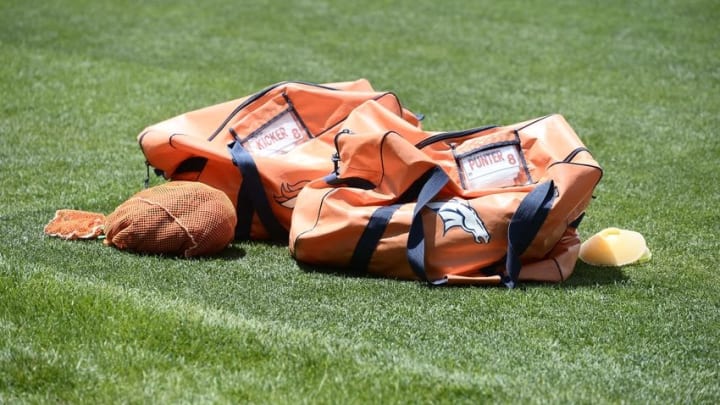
(82, 323)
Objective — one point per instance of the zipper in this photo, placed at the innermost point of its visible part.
(256, 96)
(459, 134)
(291, 109)
(574, 153)
(534, 122)
(484, 148)
(450, 135)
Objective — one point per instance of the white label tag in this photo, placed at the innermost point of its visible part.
(278, 137)
(497, 167)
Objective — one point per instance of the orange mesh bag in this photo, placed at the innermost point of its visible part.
(180, 217)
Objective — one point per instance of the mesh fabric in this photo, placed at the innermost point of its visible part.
(180, 218)
(74, 224)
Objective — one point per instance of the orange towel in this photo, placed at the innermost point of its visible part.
(74, 224)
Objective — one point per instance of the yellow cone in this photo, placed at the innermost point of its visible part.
(615, 247)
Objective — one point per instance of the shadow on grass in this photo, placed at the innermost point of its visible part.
(335, 271)
(230, 253)
(584, 275)
(589, 275)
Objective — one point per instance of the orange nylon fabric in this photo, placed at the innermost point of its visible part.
(75, 224)
(491, 171)
(288, 129)
(179, 218)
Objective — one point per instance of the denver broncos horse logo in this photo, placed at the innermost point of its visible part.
(456, 212)
(289, 193)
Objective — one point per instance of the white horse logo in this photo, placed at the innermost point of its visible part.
(456, 212)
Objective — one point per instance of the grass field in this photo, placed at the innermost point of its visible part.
(83, 323)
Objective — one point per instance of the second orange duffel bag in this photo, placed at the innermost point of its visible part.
(491, 205)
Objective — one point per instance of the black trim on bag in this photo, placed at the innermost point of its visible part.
(522, 158)
(173, 135)
(459, 134)
(395, 97)
(576, 222)
(487, 147)
(352, 182)
(569, 161)
(450, 135)
(291, 108)
(562, 162)
(140, 140)
(268, 89)
(559, 269)
(314, 225)
(193, 164)
(534, 122)
(574, 153)
(397, 101)
(257, 96)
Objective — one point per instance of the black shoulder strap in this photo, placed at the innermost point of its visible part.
(252, 197)
(524, 226)
(416, 236)
(370, 237)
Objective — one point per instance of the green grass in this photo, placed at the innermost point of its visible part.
(83, 323)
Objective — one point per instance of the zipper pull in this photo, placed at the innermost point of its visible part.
(234, 134)
(146, 182)
(336, 156)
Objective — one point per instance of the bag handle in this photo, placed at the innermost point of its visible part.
(379, 220)
(251, 197)
(524, 226)
(416, 235)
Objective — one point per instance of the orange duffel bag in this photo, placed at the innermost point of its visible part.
(279, 138)
(489, 205)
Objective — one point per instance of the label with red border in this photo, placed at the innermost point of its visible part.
(279, 136)
(496, 167)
